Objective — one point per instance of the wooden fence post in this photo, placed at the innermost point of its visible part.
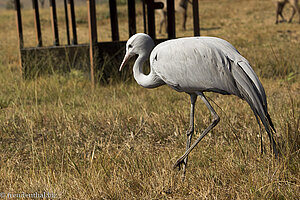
(114, 20)
(131, 17)
(171, 19)
(92, 34)
(196, 18)
(54, 22)
(67, 21)
(144, 16)
(73, 20)
(19, 30)
(151, 19)
(37, 23)
(151, 6)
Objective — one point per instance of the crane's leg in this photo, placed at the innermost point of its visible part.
(190, 131)
(211, 126)
(291, 18)
(280, 6)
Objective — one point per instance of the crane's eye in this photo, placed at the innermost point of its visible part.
(129, 46)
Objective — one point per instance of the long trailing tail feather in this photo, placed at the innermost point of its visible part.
(257, 84)
(252, 91)
(271, 123)
(253, 77)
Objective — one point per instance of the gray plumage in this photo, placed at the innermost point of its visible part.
(195, 65)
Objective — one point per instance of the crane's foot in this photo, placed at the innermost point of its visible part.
(178, 163)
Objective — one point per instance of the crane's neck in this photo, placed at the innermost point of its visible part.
(151, 80)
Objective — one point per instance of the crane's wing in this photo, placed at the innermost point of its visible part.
(188, 63)
(195, 64)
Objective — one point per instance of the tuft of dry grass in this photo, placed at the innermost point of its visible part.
(119, 141)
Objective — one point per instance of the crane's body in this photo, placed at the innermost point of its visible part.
(209, 66)
(195, 65)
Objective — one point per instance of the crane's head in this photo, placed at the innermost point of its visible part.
(138, 44)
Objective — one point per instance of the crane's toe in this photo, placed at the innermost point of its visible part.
(178, 164)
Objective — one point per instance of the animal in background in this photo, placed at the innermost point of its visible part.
(180, 7)
(280, 5)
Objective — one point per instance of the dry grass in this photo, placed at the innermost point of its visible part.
(119, 141)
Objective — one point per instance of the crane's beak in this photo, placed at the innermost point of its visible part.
(126, 58)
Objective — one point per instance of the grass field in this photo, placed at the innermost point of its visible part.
(119, 141)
